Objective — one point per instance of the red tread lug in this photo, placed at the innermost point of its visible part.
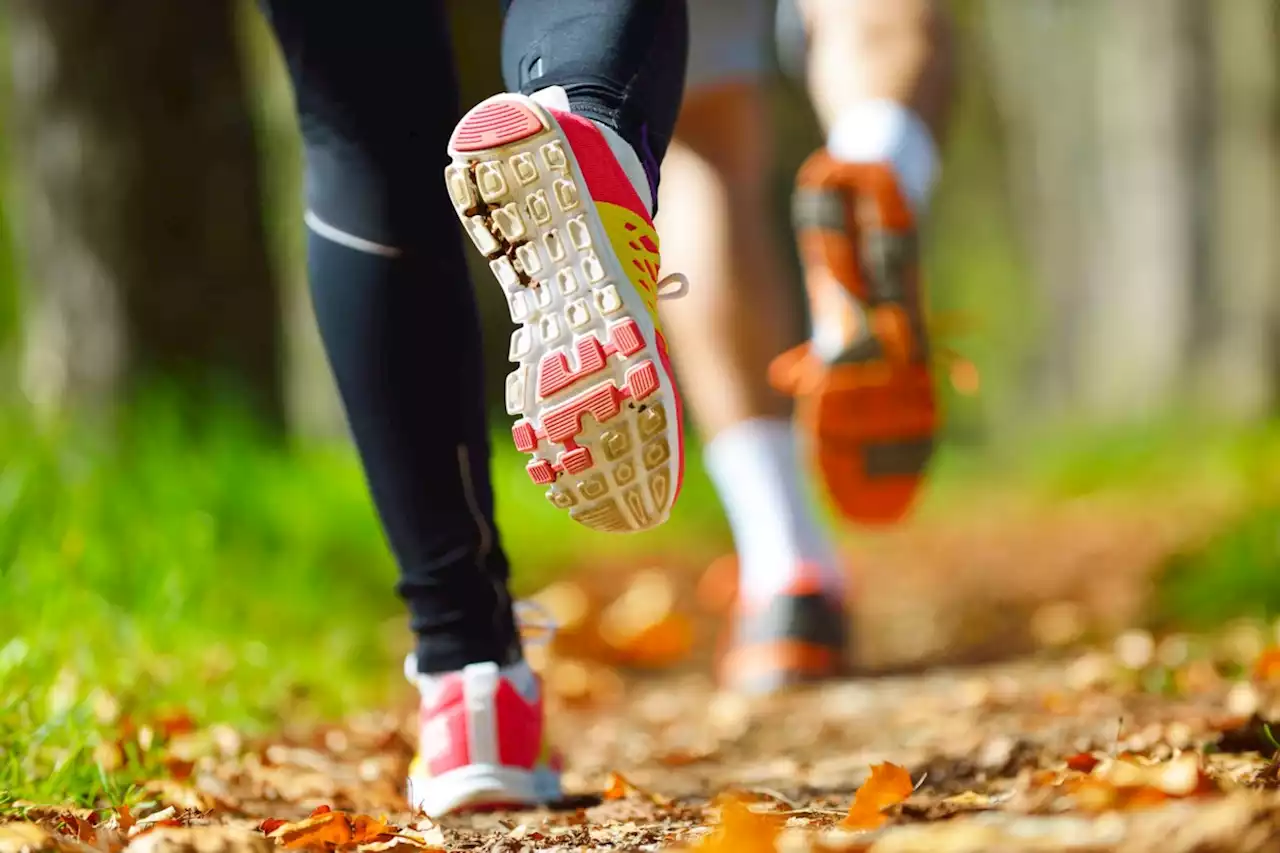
(565, 421)
(494, 124)
(626, 337)
(642, 380)
(576, 461)
(525, 437)
(554, 373)
(541, 472)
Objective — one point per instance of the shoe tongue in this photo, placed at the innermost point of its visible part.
(553, 98)
(518, 674)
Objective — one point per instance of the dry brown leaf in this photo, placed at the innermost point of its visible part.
(199, 839)
(79, 828)
(741, 830)
(398, 844)
(24, 837)
(327, 829)
(887, 786)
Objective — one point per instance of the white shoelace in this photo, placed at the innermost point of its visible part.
(673, 286)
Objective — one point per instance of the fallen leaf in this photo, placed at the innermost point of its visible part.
(124, 819)
(319, 810)
(178, 723)
(326, 829)
(1267, 667)
(200, 839)
(270, 825)
(741, 830)
(178, 769)
(79, 828)
(684, 757)
(618, 787)
(366, 830)
(1084, 762)
(887, 786)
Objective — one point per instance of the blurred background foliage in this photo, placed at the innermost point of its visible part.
(179, 508)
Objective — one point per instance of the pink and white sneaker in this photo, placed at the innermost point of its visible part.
(482, 744)
(554, 203)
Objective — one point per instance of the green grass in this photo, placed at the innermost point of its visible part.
(216, 573)
(1234, 575)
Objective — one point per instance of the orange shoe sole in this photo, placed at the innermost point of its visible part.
(869, 418)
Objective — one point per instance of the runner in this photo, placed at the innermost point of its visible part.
(878, 73)
(555, 183)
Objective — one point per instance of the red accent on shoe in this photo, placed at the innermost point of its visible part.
(525, 436)
(450, 707)
(554, 373)
(575, 461)
(626, 337)
(565, 421)
(494, 124)
(642, 380)
(519, 727)
(606, 181)
(541, 472)
(661, 344)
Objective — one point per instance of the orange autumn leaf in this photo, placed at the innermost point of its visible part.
(319, 810)
(1083, 762)
(617, 788)
(366, 829)
(1267, 667)
(887, 786)
(742, 830)
(327, 829)
(125, 819)
(270, 825)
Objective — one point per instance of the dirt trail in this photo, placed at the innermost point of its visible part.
(1135, 744)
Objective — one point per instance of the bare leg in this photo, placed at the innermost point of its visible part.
(715, 228)
(865, 50)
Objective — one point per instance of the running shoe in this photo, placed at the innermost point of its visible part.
(482, 743)
(864, 394)
(795, 637)
(544, 198)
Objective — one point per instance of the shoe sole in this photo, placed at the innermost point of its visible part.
(597, 408)
(870, 422)
(478, 787)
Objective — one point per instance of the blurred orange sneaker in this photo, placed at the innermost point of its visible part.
(785, 639)
(865, 402)
(546, 197)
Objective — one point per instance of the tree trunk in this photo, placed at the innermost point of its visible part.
(138, 204)
(1239, 318)
(1107, 138)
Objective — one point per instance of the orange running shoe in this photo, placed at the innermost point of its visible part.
(864, 394)
(796, 637)
(543, 197)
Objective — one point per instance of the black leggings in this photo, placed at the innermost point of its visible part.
(377, 100)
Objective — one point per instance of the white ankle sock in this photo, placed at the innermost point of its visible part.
(755, 470)
(886, 131)
(555, 97)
